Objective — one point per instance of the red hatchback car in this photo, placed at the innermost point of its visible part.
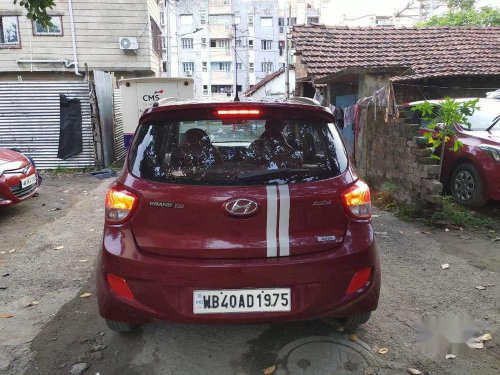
(237, 212)
(18, 177)
(472, 174)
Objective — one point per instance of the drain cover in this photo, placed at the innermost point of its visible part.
(325, 355)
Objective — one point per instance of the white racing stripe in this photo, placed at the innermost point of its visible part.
(284, 222)
(272, 220)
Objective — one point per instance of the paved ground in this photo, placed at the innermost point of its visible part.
(64, 329)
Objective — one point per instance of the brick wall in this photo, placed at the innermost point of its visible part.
(394, 152)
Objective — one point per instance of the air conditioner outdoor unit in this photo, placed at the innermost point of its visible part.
(129, 43)
(189, 72)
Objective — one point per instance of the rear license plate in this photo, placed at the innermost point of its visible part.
(241, 300)
(28, 181)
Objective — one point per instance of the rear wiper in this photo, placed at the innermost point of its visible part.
(495, 121)
(271, 173)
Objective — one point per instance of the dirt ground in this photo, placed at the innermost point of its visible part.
(62, 329)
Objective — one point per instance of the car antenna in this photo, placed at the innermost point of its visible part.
(236, 97)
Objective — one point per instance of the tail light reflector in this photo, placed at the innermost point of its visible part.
(120, 287)
(359, 280)
(357, 200)
(120, 204)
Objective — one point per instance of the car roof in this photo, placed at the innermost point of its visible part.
(170, 105)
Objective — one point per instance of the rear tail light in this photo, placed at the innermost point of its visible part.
(120, 204)
(238, 112)
(359, 280)
(120, 287)
(357, 200)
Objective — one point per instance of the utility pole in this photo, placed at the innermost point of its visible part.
(287, 68)
(236, 98)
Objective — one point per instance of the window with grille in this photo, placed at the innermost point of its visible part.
(156, 36)
(250, 43)
(219, 43)
(203, 42)
(187, 43)
(250, 20)
(220, 66)
(203, 19)
(250, 67)
(239, 66)
(266, 44)
(188, 67)
(204, 66)
(266, 67)
(205, 89)
(9, 32)
(54, 29)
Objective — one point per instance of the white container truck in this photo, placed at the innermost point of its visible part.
(139, 94)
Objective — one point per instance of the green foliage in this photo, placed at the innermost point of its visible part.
(484, 16)
(461, 4)
(443, 118)
(454, 214)
(37, 10)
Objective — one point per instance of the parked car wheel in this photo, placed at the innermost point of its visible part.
(467, 187)
(355, 320)
(121, 326)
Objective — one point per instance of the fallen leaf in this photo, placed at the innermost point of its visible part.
(11, 251)
(2, 252)
(85, 295)
(424, 232)
(354, 337)
(401, 232)
(383, 351)
(381, 233)
(480, 287)
(6, 274)
(375, 215)
(413, 371)
(269, 370)
(33, 303)
(83, 260)
(485, 337)
(6, 316)
(450, 356)
(59, 248)
(445, 266)
(489, 285)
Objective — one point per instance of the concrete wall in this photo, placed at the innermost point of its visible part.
(276, 87)
(98, 25)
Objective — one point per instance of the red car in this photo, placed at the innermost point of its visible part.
(18, 177)
(472, 174)
(237, 212)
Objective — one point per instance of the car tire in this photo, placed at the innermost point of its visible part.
(467, 187)
(355, 320)
(121, 326)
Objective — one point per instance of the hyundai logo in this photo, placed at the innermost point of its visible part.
(25, 169)
(241, 207)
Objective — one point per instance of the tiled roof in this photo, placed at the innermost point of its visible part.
(425, 52)
(265, 80)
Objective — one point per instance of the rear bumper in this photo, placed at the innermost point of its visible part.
(163, 287)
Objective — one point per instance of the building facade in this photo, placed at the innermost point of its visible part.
(213, 40)
(121, 37)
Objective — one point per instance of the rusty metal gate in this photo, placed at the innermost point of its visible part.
(29, 121)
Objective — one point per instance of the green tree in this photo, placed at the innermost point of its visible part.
(442, 119)
(463, 13)
(37, 9)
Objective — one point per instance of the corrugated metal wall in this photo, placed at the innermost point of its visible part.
(118, 125)
(29, 121)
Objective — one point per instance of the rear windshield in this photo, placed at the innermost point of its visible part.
(231, 152)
